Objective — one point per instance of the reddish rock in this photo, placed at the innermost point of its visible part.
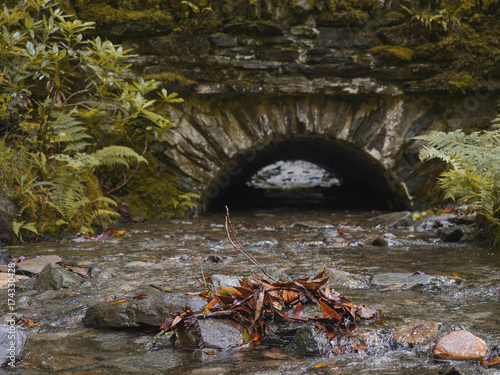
(460, 346)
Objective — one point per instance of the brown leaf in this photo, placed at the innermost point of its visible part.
(328, 311)
(259, 302)
(298, 311)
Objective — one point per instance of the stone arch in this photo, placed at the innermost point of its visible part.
(366, 140)
(365, 182)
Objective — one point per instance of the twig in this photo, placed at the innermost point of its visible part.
(238, 246)
(160, 288)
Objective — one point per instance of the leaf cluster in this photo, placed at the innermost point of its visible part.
(254, 302)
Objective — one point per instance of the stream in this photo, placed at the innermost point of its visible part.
(288, 244)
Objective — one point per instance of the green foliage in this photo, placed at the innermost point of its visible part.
(437, 21)
(154, 196)
(473, 173)
(68, 114)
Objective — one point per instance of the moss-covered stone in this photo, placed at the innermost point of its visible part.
(394, 52)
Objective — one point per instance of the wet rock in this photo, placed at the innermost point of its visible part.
(212, 333)
(312, 224)
(12, 343)
(459, 346)
(376, 241)
(6, 279)
(308, 342)
(53, 276)
(35, 265)
(206, 355)
(225, 281)
(371, 337)
(100, 275)
(402, 219)
(394, 280)
(416, 331)
(432, 222)
(344, 279)
(151, 310)
(453, 234)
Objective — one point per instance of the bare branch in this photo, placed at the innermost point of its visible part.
(238, 246)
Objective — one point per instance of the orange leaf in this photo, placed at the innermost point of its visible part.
(234, 291)
(117, 302)
(320, 365)
(140, 295)
(298, 311)
(491, 362)
(328, 311)
(211, 304)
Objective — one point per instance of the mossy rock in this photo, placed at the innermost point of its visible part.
(394, 53)
(116, 21)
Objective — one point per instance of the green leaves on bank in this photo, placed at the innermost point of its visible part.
(71, 114)
(472, 176)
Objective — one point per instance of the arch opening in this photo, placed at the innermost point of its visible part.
(360, 181)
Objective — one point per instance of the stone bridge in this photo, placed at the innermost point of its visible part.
(220, 141)
(265, 81)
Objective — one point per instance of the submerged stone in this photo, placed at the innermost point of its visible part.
(459, 346)
(344, 279)
(12, 342)
(402, 219)
(416, 331)
(308, 342)
(394, 280)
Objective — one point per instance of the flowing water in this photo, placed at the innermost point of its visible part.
(288, 244)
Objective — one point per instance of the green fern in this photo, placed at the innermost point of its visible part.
(473, 173)
(69, 131)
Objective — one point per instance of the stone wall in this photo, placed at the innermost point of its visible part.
(264, 77)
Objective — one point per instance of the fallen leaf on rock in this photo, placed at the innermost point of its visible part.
(117, 302)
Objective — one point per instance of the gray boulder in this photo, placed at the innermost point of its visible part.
(308, 342)
(212, 333)
(12, 343)
(151, 310)
(53, 276)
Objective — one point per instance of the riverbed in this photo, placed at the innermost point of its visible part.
(289, 244)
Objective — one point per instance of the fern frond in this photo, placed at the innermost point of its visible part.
(68, 130)
(109, 156)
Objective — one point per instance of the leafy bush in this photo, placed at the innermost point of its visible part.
(68, 112)
(473, 173)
